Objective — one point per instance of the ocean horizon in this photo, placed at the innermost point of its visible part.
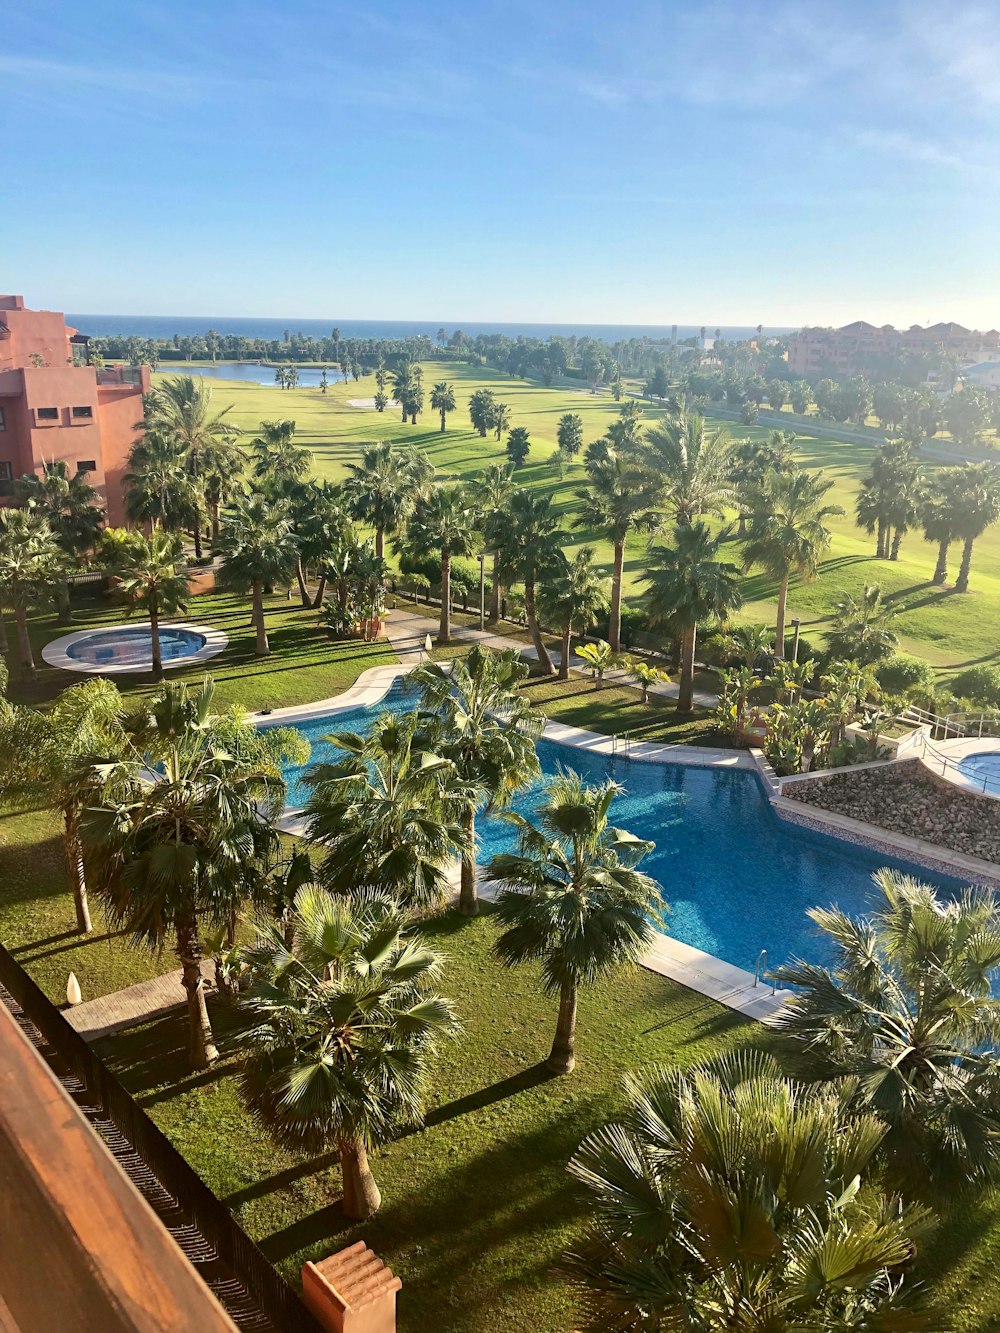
(189, 326)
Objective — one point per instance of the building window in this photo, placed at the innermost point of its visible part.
(83, 412)
(3, 419)
(48, 413)
(86, 465)
(6, 478)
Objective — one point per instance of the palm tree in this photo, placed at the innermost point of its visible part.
(531, 551)
(749, 644)
(180, 410)
(381, 489)
(938, 517)
(487, 729)
(732, 1197)
(574, 599)
(403, 386)
(258, 549)
(905, 1012)
(387, 813)
(159, 488)
(182, 845)
(278, 462)
(862, 628)
(152, 578)
(890, 495)
(501, 418)
(572, 899)
(686, 586)
(44, 757)
(482, 405)
(442, 524)
(32, 567)
(443, 400)
(494, 487)
(788, 532)
(343, 1028)
(689, 465)
(617, 501)
(975, 493)
(222, 464)
(74, 513)
(323, 526)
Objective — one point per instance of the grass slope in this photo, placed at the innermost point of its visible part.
(951, 631)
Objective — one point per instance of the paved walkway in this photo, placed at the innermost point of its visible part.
(407, 632)
(135, 1004)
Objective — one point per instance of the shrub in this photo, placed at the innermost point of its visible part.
(807, 649)
(903, 674)
(981, 684)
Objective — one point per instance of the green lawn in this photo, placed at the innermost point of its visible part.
(952, 631)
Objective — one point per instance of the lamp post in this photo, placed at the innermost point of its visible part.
(482, 591)
(795, 643)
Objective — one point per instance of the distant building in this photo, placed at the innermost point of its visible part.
(986, 374)
(856, 347)
(56, 407)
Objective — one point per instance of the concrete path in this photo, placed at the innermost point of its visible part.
(407, 632)
(136, 1004)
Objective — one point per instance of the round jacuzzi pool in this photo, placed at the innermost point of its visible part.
(122, 648)
(982, 770)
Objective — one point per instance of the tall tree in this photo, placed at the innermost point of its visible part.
(222, 464)
(572, 899)
(484, 725)
(71, 506)
(688, 585)
(532, 550)
(518, 446)
(258, 549)
(152, 578)
(403, 387)
(574, 599)
(732, 1197)
(32, 569)
(493, 489)
(442, 524)
(443, 401)
(569, 434)
(481, 408)
(342, 1033)
(618, 500)
(159, 489)
(938, 518)
(788, 532)
(501, 419)
(382, 489)
(278, 462)
(690, 465)
(975, 493)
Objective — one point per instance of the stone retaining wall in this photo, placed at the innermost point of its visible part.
(908, 798)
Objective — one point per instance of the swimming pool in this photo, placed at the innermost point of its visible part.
(983, 770)
(736, 876)
(129, 648)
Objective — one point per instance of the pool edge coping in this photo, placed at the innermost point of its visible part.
(54, 653)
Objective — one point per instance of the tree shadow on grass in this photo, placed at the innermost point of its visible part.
(75, 940)
(151, 1059)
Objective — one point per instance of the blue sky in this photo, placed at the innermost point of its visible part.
(721, 161)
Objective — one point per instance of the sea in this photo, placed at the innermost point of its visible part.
(189, 326)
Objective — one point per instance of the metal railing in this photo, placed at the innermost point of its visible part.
(936, 759)
(213, 1219)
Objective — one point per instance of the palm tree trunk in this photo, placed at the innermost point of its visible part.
(28, 671)
(897, 537)
(263, 648)
(941, 568)
(301, 580)
(202, 1050)
(361, 1194)
(741, 530)
(4, 645)
(64, 606)
(74, 860)
(779, 624)
(442, 421)
(685, 696)
(380, 543)
(495, 591)
(154, 642)
(615, 616)
(544, 660)
(562, 1057)
(881, 540)
(320, 592)
(468, 900)
(444, 624)
(564, 660)
(962, 582)
(216, 506)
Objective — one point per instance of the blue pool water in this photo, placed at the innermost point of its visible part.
(983, 770)
(133, 646)
(737, 878)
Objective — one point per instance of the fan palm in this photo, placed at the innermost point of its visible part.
(381, 489)
(159, 488)
(258, 549)
(975, 493)
(788, 532)
(43, 757)
(182, 836)
(862, 627)
(180, 410)
(344, 1026)
(689, 465)
(493, 489)
(32, 568)
(572, 899)
(731, 1197)
(938, 518)
(387, 813)
(442, 525)
(686, 586)
(572, 600)
(532, 551)
(278, 462)
(500, 420)
(618, 500)
(905, 1010)
(74, 513)
(487, 729)
(443, 400)
(222, 464)
(151, 577)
